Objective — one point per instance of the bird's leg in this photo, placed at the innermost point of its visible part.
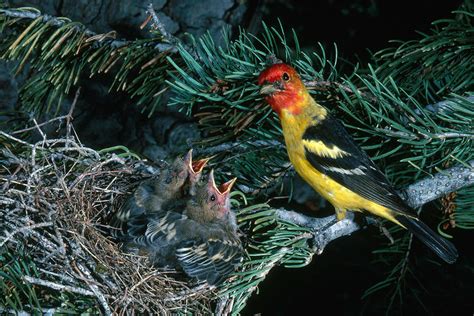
(382, 228)
(340, 213)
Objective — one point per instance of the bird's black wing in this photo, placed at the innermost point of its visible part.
(210, 259)
(352, 167)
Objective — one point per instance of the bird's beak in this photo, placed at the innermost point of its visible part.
(211, 181)
(197, 166)
(268, 89)
(188, 159)
(225, 188)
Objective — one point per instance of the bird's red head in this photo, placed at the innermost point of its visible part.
(283, 89)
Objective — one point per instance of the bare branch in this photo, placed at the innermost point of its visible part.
(238, 146)
(57, 286)
(23, 229)
(69, 116)
(160, 26)
(95, 289)
(440, 184)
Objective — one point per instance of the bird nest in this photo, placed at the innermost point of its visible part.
(57, 198)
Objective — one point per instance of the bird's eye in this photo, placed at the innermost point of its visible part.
(168, 180)
(285, 76)
(213, 198)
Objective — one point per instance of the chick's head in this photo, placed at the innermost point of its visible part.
(211, 203)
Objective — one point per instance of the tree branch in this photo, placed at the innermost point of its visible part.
(23, 14)
(238, 146)
(440, 184)
(327, 229)
(443, 106)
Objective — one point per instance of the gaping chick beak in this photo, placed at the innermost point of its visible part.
(197, 166)
(188, 159)
(225, 188)
(211, 182)
(268, 89)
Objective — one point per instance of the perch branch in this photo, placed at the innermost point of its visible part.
(440, 184)
(327, 229)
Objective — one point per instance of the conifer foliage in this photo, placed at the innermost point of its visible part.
(411, 109)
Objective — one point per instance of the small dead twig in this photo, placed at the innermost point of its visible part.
(23, 229)
(57, 286)
(69, 116)
(95, 289)
(157, 24)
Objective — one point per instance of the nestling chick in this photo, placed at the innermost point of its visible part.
(151, 195)
(202, 240)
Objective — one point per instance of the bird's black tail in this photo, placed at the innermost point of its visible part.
(443, 248)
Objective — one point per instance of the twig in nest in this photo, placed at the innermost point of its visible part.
(97, 292)
(69, 117)
(23, 229)
(57, 286)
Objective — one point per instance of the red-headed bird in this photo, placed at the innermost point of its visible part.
(328, 159)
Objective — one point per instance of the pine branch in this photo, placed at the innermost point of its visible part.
(238, 146)
(327, 229)
(442, 106)
(23, 14)
(56, 21)
(62, 52)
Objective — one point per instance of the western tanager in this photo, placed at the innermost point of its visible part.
(329, 160)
